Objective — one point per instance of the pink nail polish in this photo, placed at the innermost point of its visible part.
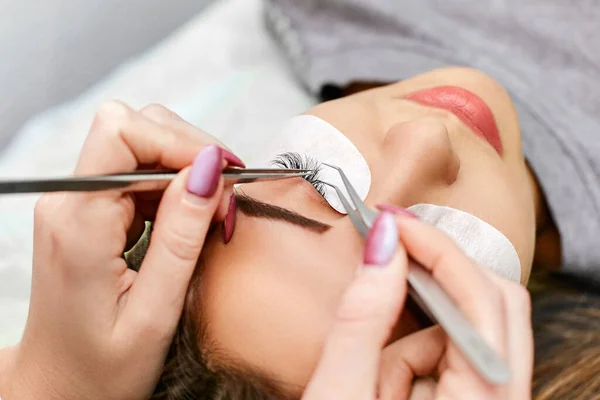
(229, 223)
(206, 172)
(396, 210)
(382, 240)
(232, 159)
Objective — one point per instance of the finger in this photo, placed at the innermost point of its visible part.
(405, 360)
(161, 114)
(157, 295)
(519, 336)
(462, 279)
(121, 139)
(173, 122)
(368, 310)
(170, 119)
(423, 389)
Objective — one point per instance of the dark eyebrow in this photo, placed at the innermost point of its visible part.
(255, 208)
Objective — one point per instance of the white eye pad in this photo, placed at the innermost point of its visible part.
(313, 137)
(478, 239)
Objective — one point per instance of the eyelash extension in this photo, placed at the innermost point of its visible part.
(292, 160)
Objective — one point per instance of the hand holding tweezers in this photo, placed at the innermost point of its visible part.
(136, 181)
(430, 296)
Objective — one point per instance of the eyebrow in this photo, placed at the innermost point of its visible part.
(256, 208)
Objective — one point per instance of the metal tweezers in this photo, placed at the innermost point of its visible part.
(426, 292)
(430, 296)
(137, 181)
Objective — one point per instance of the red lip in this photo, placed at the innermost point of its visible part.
(468, 107)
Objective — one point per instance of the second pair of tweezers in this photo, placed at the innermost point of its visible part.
(136, 181)
(430, 296)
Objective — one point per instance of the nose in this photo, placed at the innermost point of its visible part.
(416, 157)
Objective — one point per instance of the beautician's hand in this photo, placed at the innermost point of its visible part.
(355, 364)
(97, 330)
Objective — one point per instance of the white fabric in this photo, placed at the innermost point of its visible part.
(220, 72)
(485, 244)
(312, 136)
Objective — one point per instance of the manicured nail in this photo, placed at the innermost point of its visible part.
(206, 172)
(396, 210)
(229, 223)
(232, 159)
(382, 240)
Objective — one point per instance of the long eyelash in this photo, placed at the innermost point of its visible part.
(294, 160)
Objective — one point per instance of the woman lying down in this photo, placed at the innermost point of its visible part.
(284, 299)
(261, 318)
(445, 145)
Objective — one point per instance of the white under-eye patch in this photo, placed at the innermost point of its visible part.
(311, 136)
(478, 239)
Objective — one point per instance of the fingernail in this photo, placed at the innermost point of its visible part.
(229, 223)
(396, 210)
(382, 240)
(206, 172)
(232, 159)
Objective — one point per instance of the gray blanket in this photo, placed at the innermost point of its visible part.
(546, 53)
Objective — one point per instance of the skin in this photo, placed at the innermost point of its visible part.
(283, 283)
(286, 302)
(91, 319)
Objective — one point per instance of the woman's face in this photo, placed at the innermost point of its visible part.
(269, 295)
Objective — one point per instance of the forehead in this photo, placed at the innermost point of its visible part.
(269, 295)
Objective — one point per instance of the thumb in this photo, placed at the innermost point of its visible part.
(369, 308)
(182, 222)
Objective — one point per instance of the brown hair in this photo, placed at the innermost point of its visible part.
(566, 327)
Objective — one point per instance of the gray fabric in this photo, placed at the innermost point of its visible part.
(545, 52)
